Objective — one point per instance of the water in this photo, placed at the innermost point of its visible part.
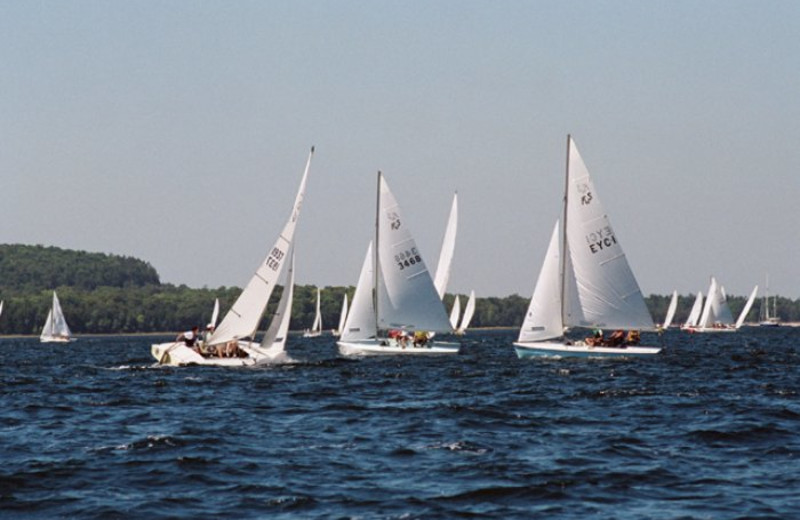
(707, 429)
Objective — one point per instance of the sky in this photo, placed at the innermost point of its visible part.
(177, 132)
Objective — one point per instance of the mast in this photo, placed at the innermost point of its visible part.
(376, 253)
(564, 250)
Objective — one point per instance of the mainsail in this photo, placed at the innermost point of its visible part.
(673, 306)
(406, 296)
(455, 312)
(605, 292)
(469, 311)
(243, 318)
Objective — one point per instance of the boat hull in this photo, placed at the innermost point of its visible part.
(56, 340)
(178, 354)
(386, 347)
(705, 330)
(560, 349)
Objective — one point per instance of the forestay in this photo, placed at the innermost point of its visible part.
(406, 295)
(243, 318)
(605, 292)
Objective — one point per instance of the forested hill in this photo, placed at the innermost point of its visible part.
(30, 268)
(108, 294)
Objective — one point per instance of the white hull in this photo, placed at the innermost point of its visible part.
(705, 330)
(56, 340)
(312, 334)
(560, 349)
(177, 354)
(389, 347)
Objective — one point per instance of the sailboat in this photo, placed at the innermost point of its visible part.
(342, 317)
(768, 319)
(694, 313)
(316, 328)
(716, 315)
(395, 293)
(55, 328)
(585, 280)
(469, 311)
(240, 325)
(673, 306)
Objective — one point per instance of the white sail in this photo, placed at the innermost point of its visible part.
(274, 341)
(448, 248)
(694, 314)
(469, 311)
(716, 310)
(243, 318)
(747, 307)
(55, 327)
(317, 326)
(673, 306)
(543, 319)
(1, 307)
(360, 322)
(406, 296)
(455, 312)
(608, 295)
(343, 314)
(214, 314)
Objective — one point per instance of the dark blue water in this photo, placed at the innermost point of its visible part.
(707, 429)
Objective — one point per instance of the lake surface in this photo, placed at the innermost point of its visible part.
(707, 429)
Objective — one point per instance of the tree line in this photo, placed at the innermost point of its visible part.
(107, 294)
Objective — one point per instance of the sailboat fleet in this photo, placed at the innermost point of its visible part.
(586, 301)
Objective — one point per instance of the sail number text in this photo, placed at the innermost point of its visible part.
(407, 258)
(601, 239)
(274, 258)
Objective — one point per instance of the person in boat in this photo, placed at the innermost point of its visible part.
(189, 338)
(633, 337)
(616, 339)
(420, 338)
(596, 339)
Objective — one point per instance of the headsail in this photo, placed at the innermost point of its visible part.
(607, 292)
(448, 248)
(543, 319)
(243, 318)
(317, 326)
(343, 314)
(360, 322)
(406, 295)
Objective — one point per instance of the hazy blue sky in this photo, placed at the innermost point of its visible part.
(177, 132)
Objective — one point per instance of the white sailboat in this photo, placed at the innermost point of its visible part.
(585, 280)
(469, 311)
(406, 302)
(694, 313)
(240, 325)
(316, 328)
(55, 328)
(768, 318)
(673, 306)
(342, 317)
(716, 315)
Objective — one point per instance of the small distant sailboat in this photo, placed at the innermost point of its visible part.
(716, 315)
(395, 293)
(585, 280)
(673, 306)
(768, 319)
(240, 325)
(316, 328)
(55, 328)
(694, 313)
(342, 317)
(469, 311)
